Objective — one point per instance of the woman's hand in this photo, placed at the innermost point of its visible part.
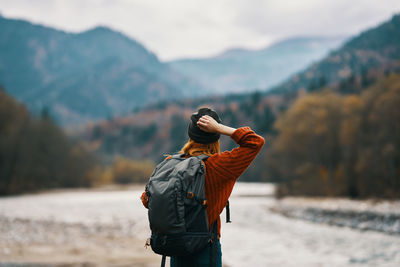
(208, 124)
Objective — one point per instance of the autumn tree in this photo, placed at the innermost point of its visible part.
(36, 154)
(340, 145)
(379, 153)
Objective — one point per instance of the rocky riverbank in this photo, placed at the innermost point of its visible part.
(364, 215)
(25, 242)
(75, 228)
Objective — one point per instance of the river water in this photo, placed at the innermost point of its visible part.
(256, 236)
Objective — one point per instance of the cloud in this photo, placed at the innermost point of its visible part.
(193, 28)
(313, 17)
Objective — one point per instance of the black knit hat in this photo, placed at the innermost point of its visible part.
(198, 135)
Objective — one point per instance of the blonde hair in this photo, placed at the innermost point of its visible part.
(192, 148)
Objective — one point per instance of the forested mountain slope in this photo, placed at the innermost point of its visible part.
(359, 60)
(83, 76)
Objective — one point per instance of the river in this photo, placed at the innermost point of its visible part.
(256, 236)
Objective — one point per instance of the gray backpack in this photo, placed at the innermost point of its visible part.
(177, 207)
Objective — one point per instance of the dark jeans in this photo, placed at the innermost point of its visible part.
(202, 259)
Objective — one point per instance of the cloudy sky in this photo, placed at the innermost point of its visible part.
(200, 28)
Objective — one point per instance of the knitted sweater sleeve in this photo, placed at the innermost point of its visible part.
(229, 165)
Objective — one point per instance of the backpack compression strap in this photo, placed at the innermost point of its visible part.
(163, 260)
(228, 213)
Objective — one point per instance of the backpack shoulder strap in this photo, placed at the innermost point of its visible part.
(177, 156)
(202, 157)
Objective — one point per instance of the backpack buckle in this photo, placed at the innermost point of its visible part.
(190, 195)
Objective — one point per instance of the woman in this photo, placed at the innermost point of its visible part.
(222, 169)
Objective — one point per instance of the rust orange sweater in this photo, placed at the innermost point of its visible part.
(223, 169)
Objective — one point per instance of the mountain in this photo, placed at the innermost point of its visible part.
(239, 70)
(83, 76)
(362, 58)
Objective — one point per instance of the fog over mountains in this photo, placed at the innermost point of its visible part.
(241, 70)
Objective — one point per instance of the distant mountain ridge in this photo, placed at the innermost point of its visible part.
(240, 70)
(83, 76)
(363, 57)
